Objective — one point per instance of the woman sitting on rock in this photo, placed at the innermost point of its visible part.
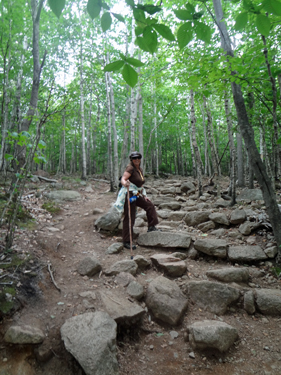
(133, 178)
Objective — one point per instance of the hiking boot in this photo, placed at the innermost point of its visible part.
(153, 229)
(128, 246)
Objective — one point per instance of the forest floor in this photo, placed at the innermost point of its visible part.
(62, 241)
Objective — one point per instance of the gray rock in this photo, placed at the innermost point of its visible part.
(245, 228)
(220, 218)
(221, 203)
(126, 265)
(120, 309)
(249, 302)
(208, 225)
(246, 253)
(170, 206)
(172, 266)
(238, 216)
(268, 301)
(179, 255)
(213, 247)
(169, 224)
(194, 218)
(115, 248)
(24, 335)
(219, 232)
(140, 222)
(91, 339)
(89, 266)
(97, 211)
(164, 239)
(110, 220)
(124, 278)
(228, 275)
(250, 195)
(212, 296)
(135, 290)
(168, 190)
(271, 252)
(89, 189)
(163, 214)
(142, 262)
(192, 253)
(64, 195)
(211, 334)
(177, 215)
(188, 187)
(166, 301)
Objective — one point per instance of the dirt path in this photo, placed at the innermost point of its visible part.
(66, 240)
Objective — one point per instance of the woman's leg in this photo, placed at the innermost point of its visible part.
(149, 208)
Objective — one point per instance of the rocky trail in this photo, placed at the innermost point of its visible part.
(203, 296)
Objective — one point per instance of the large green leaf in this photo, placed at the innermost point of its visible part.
(130, 2)
(241, 21)
(203, 32)
(106, 21)
(272, 6)
(118, 17)
(130, 75)
(142, 44)
(150, 38)
(139, 17)
(94, 8)
(138, 30)
(134, 62)
(150, 9)
(164, 31)
(183, 14)
(56, 6)
(190, 8)
(263, 24)
(112, 67)
(197, 15)
(184, 34)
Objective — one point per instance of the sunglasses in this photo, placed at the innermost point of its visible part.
(138, 157)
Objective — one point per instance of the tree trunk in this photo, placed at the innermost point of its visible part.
(109, 109)
(195, 145)
(240, 161)
(248, 135)
(115, 141)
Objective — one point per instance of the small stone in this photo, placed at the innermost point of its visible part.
(192, 355)
(151, 347)
(174, 334)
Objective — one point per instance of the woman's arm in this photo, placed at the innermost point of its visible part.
(125, 179)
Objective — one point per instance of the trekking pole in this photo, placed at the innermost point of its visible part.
(130, 224)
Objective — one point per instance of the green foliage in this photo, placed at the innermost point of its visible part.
(106, 21)
(51, 207)
(164, 31)
(130, 75)
(57, 6)
(184, 34)
(241, 21)
(94, 8)
(263, 24)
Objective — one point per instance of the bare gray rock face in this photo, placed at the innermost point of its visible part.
(208, 225)
(142, 262)
(24, 334)
(250, 195)
(268, 301)
(245, 228)
(120, 308)
(212, 296)
(172, 266)
(135, 290)
(124, 278)
(170, 206)
(91, 339)
(271, 252)
(230, 274)
(166, 301)
(213, 247)
(221, 203)
(164, 239)
(163, 214)
(188, 187)
(110, 220)
(246, 253)
(168, 190)
(126, 265)
(194, 218)
(64, 195)
(211, 334)
(249, 302)
(238, 216)
(115, 248)
(177, 215)
(219, 217)
(89, 266)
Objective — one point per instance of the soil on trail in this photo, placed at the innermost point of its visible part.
(148, 348)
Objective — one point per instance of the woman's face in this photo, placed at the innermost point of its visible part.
(136, 162)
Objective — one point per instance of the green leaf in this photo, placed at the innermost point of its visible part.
(114, 66)
(139, 17)
(41, 144)
(150, 9)
(190, 8)
(184, 34)
(138, 30)
(142, 44)
(241, 21)
(263, 24)
(272, 6)
(25, 134)
(183, 15)
(123, 57)
(197, 15)
(119, 17)
(106, 21)
(164, 31)
(130, 75)
(56, 6)
(134, 62)
(150, 38)
(9, 157)
(94, 8)
(105, 6)
(130, 2)
(203, 32)
(278, 141)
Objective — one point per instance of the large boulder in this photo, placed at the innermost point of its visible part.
(126, 265)
(219, 217)
(211, 334)
(176, 215)
(89, 266)
(246, 253)
(268, 301)
(212, 296)
(213, 247)
(24, 334)
(229, 274)
(238, 216)
(91, 339)
(171, 265)
(250, 195)
(164, 239)
(188, 187)
(110, 220)
(166, 301)
(194, 218)
(170, 206)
